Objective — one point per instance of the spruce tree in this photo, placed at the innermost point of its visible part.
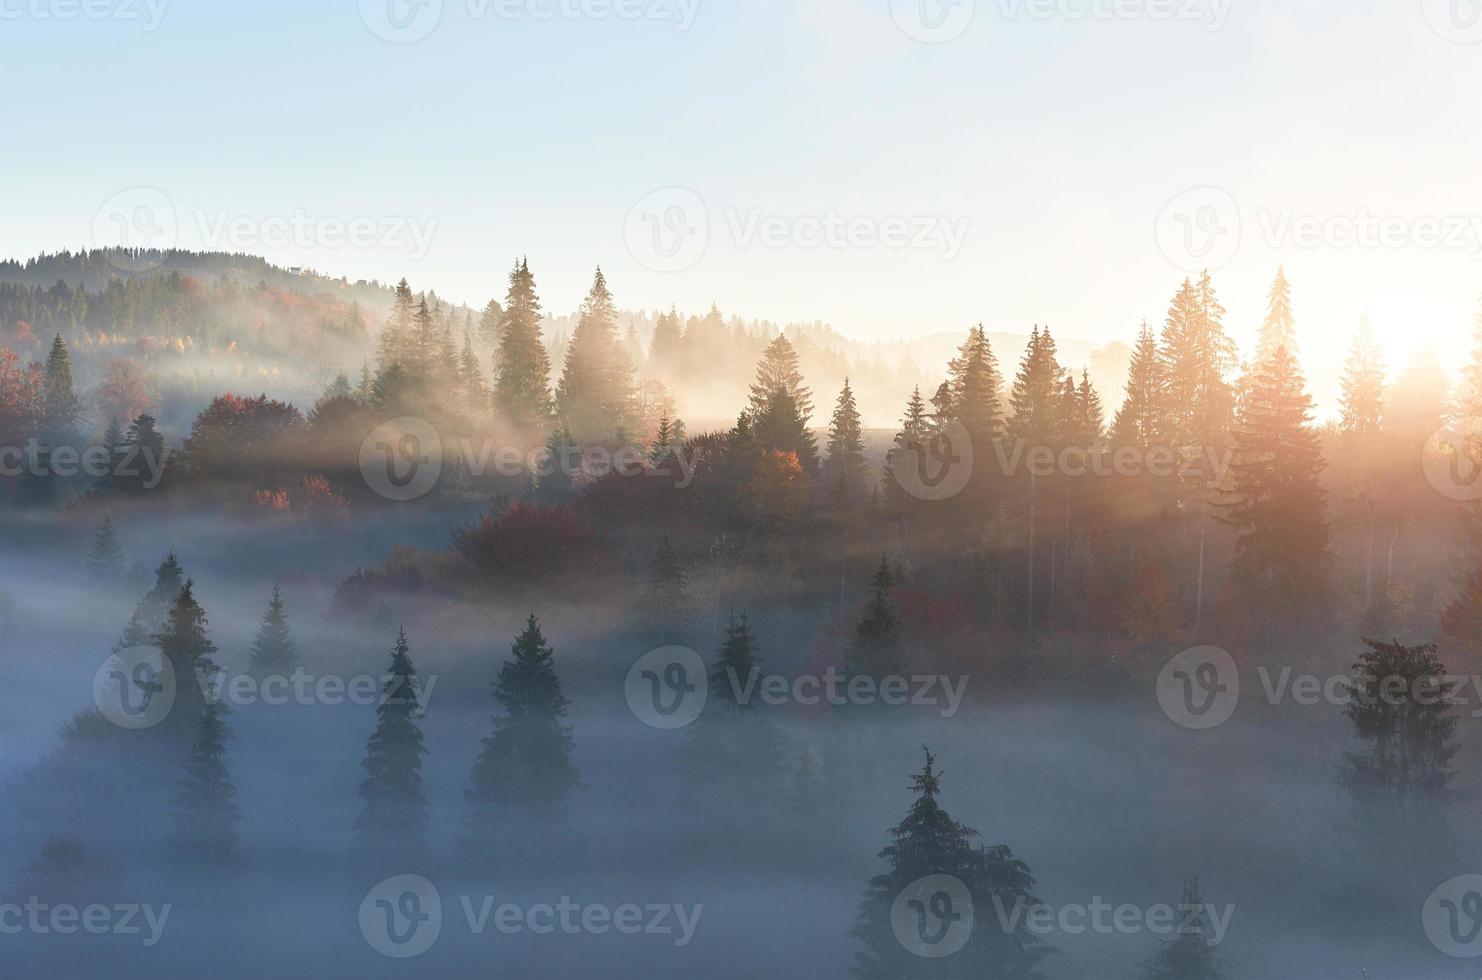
(666, 598)
(1036, 395)
(1189, 956)
(1197, 360)
(1142, 421)
(206, 816)
(916, 426)
(396, 342)
(845, 468)
(61, 412)
(490, 322)
(975, 382)
(524, 768)
(666, 347)
(1403, 709)
(1363, 386)
(471, 377)
(597, 395)
(556, 481)
(186, 646)
(274, 652)
(1279, 329)
(930, 842)
(736, 666)
(1278, 506)
(783, 428)
(392, 822)
(778, 371)
(877, 650)
(105, 562)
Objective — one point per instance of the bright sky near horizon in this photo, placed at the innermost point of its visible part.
(793, 161)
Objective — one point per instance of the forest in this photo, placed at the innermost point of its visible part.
(505, 650)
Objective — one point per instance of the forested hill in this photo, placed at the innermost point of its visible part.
(94, 270)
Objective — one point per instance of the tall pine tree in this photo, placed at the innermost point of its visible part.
(844, 473)
(524, 769)
(597, 396)
(522, 369)
(392, 823)
(274, 652)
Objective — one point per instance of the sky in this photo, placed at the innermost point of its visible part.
(897, 168)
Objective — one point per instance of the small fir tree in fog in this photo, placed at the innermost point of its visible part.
(106, 561)
(1404, 711)
(930, 842)
(524, 768)
(1142, 421)
(555, 483)
(206, 816)
(184, 643)
(735, 667)
(877, 650)
(845, 469)
(66, 872)
(61, 411)
(666, 597)
(1190, 956)
(522, 368)
(274, 652)
(392, 822)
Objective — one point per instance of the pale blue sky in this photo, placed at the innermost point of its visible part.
(1056, 142)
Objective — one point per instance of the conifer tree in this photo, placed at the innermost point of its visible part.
(471, 376)
(392, 822)
(1363, 385)
(1278, 506)
(666, 347)
(524, 769)
(113, 443)
(663, 442)
(151, 616)
(845, 469)
(338, 388)
(666, 598)
(735, 667)
(398, 334)
(1190, 955)
(61, 412)
(206, 816)
(1142, 421)
(778, 371)
(781, 427)
(105, 563)
(274, 652)
(1403, 708)
(522, 369)
(975, 382)
(366, 388)
(877, 650)
(930, 842)
(186, 646)
(1036, 395)
(597, 394)
(1279, 329)
(556, 481)
(489, 323)
(1462, 619)
(145, 449)
(916, 426)
(1197, 359)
